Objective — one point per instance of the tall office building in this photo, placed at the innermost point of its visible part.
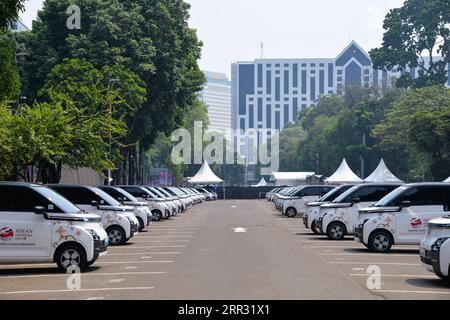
(19, 26)
(267, 94)
(216, 94)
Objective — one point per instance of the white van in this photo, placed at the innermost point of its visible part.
(37, 225)
(340, 217)
(313, 208)
(119, 221)
(298, 201)
(435, 248)
(141, 210)
(156, 205)
(402, 216)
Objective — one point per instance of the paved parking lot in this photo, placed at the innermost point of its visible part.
(232, 250)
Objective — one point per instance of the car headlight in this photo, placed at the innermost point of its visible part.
(94, 234)
(438, 244)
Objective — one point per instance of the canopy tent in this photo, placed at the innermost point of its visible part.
(290, 178)
(343, 175)
(448, 180)
(382, 175)
(262, 183)
(205, 176)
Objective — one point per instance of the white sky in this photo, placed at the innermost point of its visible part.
(232, 30)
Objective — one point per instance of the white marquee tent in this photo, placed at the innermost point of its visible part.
(205, 176)
(262, 183)
(290, 178)
(343, 175)
(448, 180)
(382, 175)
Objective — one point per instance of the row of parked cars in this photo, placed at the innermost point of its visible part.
(73, 225)
(377, 215)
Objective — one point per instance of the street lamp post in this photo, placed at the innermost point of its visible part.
(110, 111)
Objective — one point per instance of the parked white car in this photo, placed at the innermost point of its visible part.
(37, 225)
(173, 207)
(402, 216)
(340, 218)
(298, 201)
(141, 210)
(156, 205)
(435, 248)
(313, 208)
(119, 221)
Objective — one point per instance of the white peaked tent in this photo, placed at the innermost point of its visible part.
(343, 175)
(382, 175)
(205, 176)
(262, 183)
(448, 180)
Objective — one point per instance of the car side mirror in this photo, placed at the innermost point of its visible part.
(356, 200)
(94, 203)
(39, 210)
(406, 204)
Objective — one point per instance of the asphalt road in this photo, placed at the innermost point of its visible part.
(199, 255)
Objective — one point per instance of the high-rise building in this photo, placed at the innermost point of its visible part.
(267, 94)
(19, 26)
(216, 94)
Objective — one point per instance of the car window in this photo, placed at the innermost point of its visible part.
(117, 194)
(373, 193)
(424, 196)
(24, 199)
(77, 195)
(334, 193)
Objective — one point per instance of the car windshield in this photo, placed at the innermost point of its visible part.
(163, 191)
(345, 197)
(158, 193)
(333, 194)
(389, 199)
(106, 197)
(62, 203)
(117, 194)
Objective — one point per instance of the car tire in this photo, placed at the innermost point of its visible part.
(157, 215)
(141, 224)
(313, 228)
(116, 235)
(336, 230)
(380, 241)
(291, 212)
(71, 255)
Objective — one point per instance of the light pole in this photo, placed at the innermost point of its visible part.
(110, 111)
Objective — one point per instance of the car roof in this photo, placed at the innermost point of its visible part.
(23, 184)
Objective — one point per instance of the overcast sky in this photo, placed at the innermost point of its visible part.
(233, 30)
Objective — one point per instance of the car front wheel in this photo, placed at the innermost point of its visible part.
(116, 235)
(291, 212)
(380, 241)
(71, 255)
(336, 231)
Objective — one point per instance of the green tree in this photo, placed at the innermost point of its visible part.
(419, 124)
(414, 32)
(9, 76)
(5, 141)
(9, 12)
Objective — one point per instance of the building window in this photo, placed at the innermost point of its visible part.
(339, 79)
(339, 72)
(304, 65)
(321, 65)
(312, 65)
(277, 65)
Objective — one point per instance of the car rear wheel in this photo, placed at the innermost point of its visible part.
(336, 231)
(380, 241)
(116, 235)
(291, 212)
(71, 255)
(314, 227)
(141, 224)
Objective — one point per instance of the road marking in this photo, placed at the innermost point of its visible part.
(412, 291)
(166, 236)
(334, 247)
(378, 263)
(396, 276)
(358, 269)
(233, 207)
(369, 254)
(148, 247)
(76, 291)
(142, 253)
(240, 230)
(86, 274)
(130, 268)
(132, 262)
(160, 241)
(116, 280)
(95, 298)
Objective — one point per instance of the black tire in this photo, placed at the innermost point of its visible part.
(313, 228)
(157, 215)
(380, 241)
(291, 212)
(336, 230)
(71, 254)
(91, 262)
(141, 224)
(116, 235)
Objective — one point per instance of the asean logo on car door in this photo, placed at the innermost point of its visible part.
(6, 234)
(416, 223)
